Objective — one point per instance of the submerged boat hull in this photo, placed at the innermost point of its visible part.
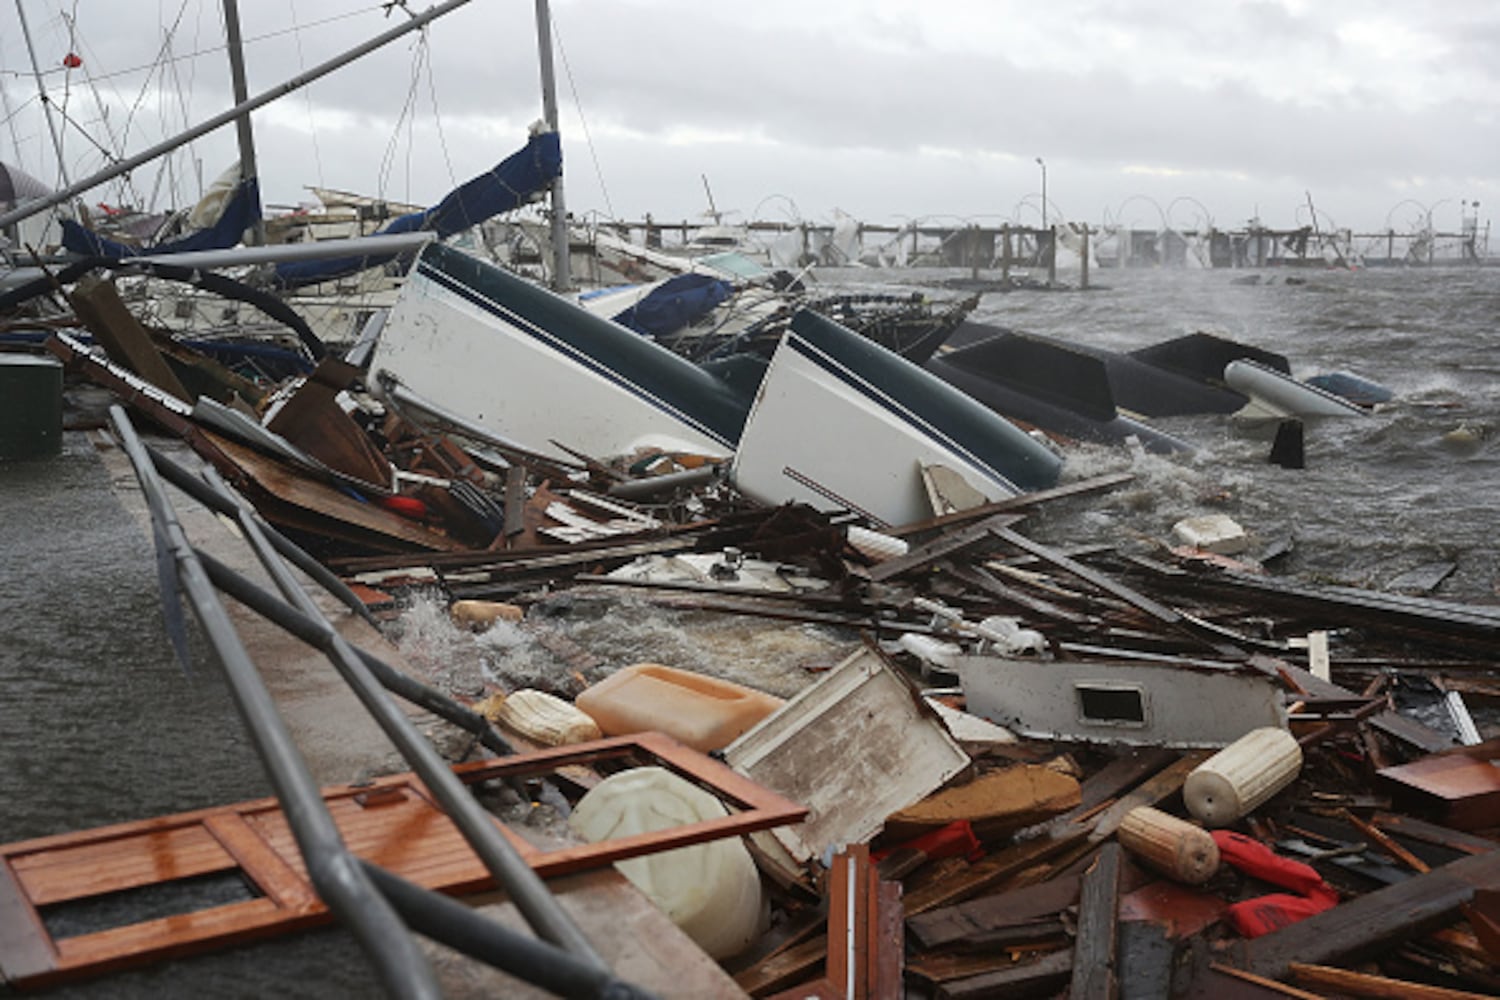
(1273, 394)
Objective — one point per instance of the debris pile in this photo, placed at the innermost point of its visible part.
(1039, 770)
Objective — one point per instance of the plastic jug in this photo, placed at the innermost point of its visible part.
(711, 890)
(702, 712)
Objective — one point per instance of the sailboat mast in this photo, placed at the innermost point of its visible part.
(41, 91)
(241, 95)
(562, 268)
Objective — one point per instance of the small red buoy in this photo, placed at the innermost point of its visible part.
(72, 61)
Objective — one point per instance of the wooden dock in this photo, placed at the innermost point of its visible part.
(393, 822)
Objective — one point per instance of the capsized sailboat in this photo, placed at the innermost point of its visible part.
(535, 368)
(841, 422)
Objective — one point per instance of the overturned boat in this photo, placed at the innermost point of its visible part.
(534, 368)
(1273, 394)
(841, 422)
(1050, 385)
(1183, 376)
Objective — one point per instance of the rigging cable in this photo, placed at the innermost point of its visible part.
(307, 91)
(583, 121)
(387, 162)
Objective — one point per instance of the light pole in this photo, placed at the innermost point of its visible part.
(1041, 163)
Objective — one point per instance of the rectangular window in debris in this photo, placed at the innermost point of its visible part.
(1111, 704)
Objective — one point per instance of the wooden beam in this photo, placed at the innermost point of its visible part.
(1024, 500)
(1160, 786)
(944, 545)
(1094, 955)
(1361, 927)
(1361, 984)
(1042, 977)
(967, 923)
(991, 871)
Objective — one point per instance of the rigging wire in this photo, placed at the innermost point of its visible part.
(206, 51)
(405, 119)
(307, 91)
(437, 122)
(588, 139)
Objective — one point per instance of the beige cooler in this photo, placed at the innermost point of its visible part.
(699, 711)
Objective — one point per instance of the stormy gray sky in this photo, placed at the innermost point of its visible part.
(1144, 111)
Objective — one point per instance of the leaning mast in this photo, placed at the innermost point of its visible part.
(562, 269)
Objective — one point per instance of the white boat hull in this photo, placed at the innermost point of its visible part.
(534, 369)
(820, 419)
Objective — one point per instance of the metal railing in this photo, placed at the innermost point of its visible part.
(380, 908)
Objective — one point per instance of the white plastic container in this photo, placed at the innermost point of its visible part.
(1236, 780)
(703, 712)
(712, 890)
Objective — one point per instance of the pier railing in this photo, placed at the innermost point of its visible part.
(380, 908)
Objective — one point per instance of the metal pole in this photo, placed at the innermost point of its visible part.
(41, 91)
(512, 874)
(1042, 163)
(241, 95)
(562, 269)
(460, 928)
(281, 90)
(335, 872)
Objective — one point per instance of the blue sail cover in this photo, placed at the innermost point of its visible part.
(240, 213)
(508, 185)
(674, 304)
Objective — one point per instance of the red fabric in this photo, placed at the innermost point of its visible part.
(956, 840)
(1265, 914)
(1258, 861)
(405, 506)
(72, 61)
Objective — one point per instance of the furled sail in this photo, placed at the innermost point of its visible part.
(241, 210)
(507, 186)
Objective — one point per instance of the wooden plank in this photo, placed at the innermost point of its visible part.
(98, 305)
(1361, 984)
(971, 921)
(1145, 958)
(1264, 984)
(1432, 833)
(845, 917)
(264, 866)
(301, 491)
(1041, 977)
(944, 545)
(887, 949)
(1094, 485)
(1386, 842)
(1158, 787)
(991, 871)
(26, 950)
(1110, 586)
(1363, 926)
(177, 935)
(92, 869)
(1094, 974)
(784, 969)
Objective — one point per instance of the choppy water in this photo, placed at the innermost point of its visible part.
(100, 725)
(1379, 495)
